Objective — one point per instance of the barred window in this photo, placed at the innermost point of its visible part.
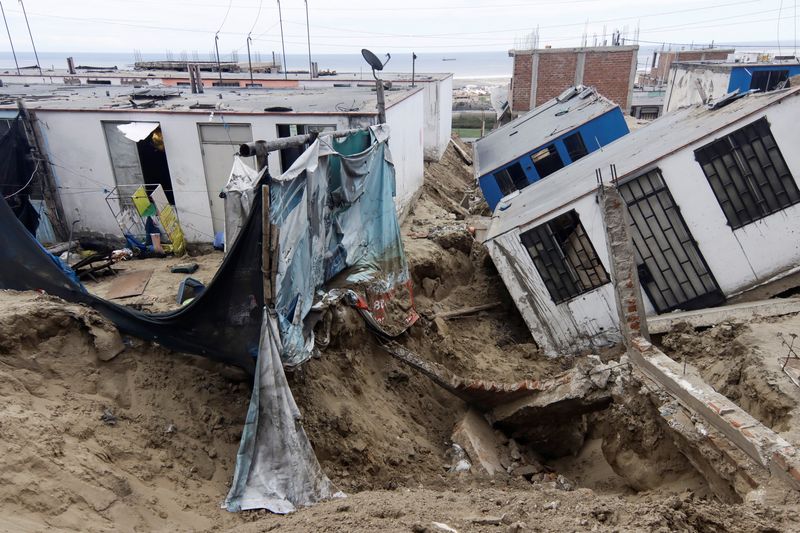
(748, 174)
(565, 257)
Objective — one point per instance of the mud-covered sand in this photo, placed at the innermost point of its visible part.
(147, 440)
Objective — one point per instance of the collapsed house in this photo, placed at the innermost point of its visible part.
(101, 145)
(544, 140)
(691, 82)
(712, 197)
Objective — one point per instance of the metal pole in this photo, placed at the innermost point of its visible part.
(9, 38)
(219, 67)
(413, 67)
(31, 34)
(283, 46)
(381, 102)
(249, 62)
(308, 34)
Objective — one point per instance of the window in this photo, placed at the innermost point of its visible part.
(511, 179)
(748, 174)
(225, 84)
(564, 257)
(769, 80)
(575, 146)
(547, 161)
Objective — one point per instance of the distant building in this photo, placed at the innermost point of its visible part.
(689, 82)
(543, 73)
(105, 142)
(647, 103)
(714, 206)
(663, 60)
(537, 144)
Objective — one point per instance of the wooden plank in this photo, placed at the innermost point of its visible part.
(467, 310)
(129, 284)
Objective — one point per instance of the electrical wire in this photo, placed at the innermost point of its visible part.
(260, 3)
(26, 184)
(225, 18)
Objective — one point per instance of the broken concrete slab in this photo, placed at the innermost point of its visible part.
(763, 445)
(736, 313)
(474, 434)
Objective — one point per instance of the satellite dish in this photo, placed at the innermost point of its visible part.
(372, 59)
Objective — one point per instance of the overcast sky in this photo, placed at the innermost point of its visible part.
(346, 26)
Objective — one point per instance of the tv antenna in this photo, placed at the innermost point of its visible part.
(377, 65)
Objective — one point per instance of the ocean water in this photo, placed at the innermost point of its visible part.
(461, 64)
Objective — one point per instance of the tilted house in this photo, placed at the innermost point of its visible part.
(713, 199)
(537, 144)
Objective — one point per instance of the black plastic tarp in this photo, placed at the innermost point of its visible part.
(223, 323)
(16, 173)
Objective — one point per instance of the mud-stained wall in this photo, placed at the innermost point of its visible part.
(682, 85)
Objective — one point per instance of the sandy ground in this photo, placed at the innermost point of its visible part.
(147, 440)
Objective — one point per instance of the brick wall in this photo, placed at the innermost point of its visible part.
(556, 72)
(610, 74)
(608, 69)
(521, 83)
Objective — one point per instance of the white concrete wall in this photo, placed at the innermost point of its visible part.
(406, 141)
(682, 88)
(738, 259)
(438, 117)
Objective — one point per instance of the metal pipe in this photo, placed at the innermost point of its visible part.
(9, 39)
(219, 67)
(283, 46)
(262, 148)
(308, 34)
(249, 62)
(36, 55)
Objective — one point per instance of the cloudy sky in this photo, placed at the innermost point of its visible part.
(346, 26)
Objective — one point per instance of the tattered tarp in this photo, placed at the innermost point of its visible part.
(239, 191)
(223, 323)
(338, 228)
(276, 468)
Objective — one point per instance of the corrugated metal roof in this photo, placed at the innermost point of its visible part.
(535, 128)
(630, 153)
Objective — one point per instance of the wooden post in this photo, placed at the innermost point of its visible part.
(381, 102)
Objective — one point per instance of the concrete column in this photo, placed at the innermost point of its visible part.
(534, 78)
(579, 64)
(624, 274)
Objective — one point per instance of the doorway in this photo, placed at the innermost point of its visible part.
(138, 157)
(219, 143)
(671, 268)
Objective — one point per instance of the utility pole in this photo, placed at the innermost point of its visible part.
(31, 34)
(308, 34)
(216, 47)
(283, 46)
(413, 67)
(9, 38)
(249, 62)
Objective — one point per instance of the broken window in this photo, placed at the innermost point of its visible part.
(748, 174)
(575, 146)
(511, 178)
(547, 161)
(565, 257)
(769, 80)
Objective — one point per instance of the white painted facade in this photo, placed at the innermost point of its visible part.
(76, 144)
(682, 85)
(738, 259)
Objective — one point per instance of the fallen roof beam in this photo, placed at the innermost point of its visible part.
(736, 313)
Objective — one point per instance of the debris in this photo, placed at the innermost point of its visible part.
(184, 268)
(129, 284)
(108, 417)
(460, 461)
(487, 520)
(189, 289)
(447, 315)
(552, 506)
(443, 527)
(474, 434)
(461, 153)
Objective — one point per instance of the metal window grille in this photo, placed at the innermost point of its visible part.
(565, 257)
(576, 148)
(748, 174)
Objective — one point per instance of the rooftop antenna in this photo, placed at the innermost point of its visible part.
(31, 34)
(283, 46)
(308, 35)
(376, 64)
(9, 38)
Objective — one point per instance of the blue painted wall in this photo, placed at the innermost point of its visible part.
(596, 133)
(741, 76)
